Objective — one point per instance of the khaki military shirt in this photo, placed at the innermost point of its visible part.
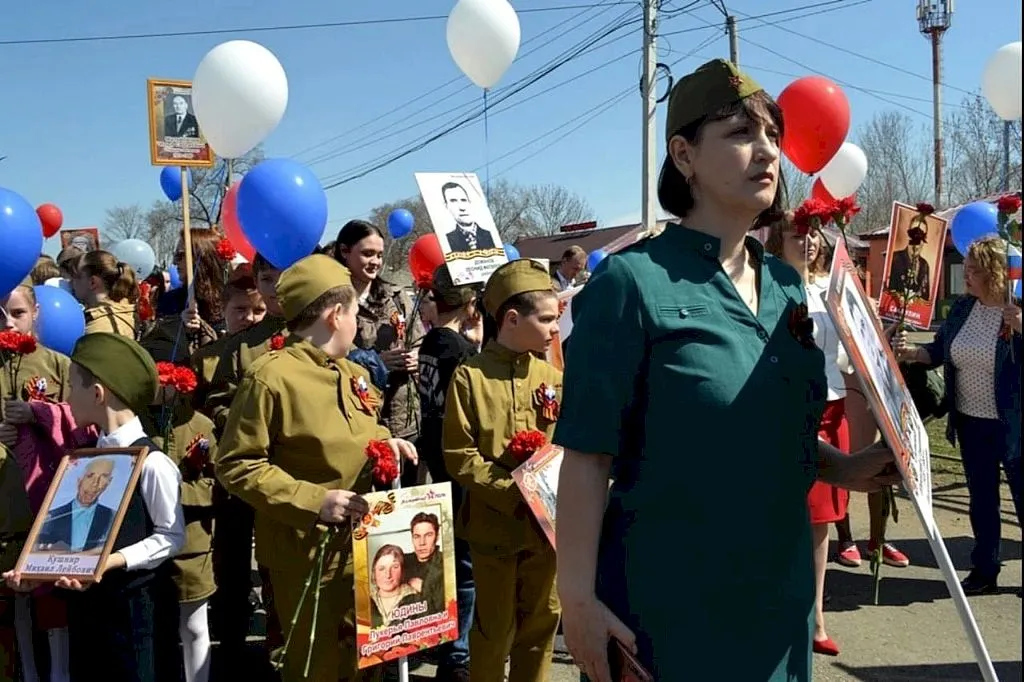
(220, 366)
(113, 317)
(42, 369)
(491, 398)
(191, 443)
(297, 428)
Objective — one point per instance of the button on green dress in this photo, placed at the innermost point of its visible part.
(711, 414)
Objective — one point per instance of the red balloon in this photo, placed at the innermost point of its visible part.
(819, 192)
(51, 219)
(816, 114)
(233, 227)
(425, 256)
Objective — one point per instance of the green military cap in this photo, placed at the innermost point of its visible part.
(712, 87)
(514, 278)
(121, 365)
(445, 289)
(307, 280)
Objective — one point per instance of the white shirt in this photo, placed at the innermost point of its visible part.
(973, 353)
(826, 338)
(160, 487)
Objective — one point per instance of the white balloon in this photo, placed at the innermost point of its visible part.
(483, 38)
(1001, 81)
(845, 172)
(136, 254)
(239, 94)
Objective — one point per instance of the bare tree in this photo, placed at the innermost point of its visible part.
(899, 168)
(124, 222)
(798, 183)
(974, 151)
(552, 206)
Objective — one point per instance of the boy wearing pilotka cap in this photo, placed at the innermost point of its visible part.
(494, 398)
(294, 448)
(129, 617)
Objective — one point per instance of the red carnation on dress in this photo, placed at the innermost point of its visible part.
(276, 342)
(384, 466)
(525, 443)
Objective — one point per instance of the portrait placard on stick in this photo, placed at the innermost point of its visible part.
(174, 135)
(913, 263)
(76, 527)
(464, 226)
(403, 551)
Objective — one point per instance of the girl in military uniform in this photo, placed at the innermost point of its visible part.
(108, 290)
(693, 363)
(294, 448)
(494, 400)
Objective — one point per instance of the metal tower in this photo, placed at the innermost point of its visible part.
(934, 18)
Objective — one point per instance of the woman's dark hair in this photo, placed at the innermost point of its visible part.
(674, 192)
(351, 233)
(209, 273)
(45, 268)
(118, 278)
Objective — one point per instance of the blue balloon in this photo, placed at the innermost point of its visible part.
(61, 321)
(21, 237)
(175, 277)
(511, 252)
(595, 257)
(400, 223)
(170, 181)
(283, 211)
(972, 222)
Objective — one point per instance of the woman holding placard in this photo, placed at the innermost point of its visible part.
(979, 349)
(694, 382)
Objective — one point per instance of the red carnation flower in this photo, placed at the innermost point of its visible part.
(180, 378)
(525, 443)
(145, 307)
(225, 251)
(924, 208)
(276, 342)
(384, 465)
(813, 214)
(16, 343)
(844, 210)
(1009, 204)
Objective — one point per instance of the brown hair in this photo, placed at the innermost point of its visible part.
(989, 255)
(344, 295)
(674, 192)
(45, 268)
(118, 278)
(240, 286)
(574, 251)
(424, 517)
(28, 292)
(773, 244)
(67, 261)
(524, 304)
(389, 550)
(261, 264)
(209, 272)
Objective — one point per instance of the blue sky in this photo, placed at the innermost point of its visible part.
(75, 120)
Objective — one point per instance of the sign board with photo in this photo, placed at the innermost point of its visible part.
(85, 239)
(174, 135)
(913, 267)
(537, 479)
(403, 551)
(458, 210)
(860, 331)
(93, 484)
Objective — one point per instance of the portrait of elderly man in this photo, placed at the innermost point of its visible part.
(180, 123)
(909, 271)
(426, 563)
(83, 524)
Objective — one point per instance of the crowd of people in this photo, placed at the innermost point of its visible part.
(295, 372)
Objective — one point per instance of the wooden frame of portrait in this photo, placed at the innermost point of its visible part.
(202, 156)
(85, 566)
(526, 475)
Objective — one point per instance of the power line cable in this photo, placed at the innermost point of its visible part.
(278, 28)
(607, 5)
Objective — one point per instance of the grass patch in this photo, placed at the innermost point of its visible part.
(945, 458)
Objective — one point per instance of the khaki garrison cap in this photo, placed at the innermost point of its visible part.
(514, 278)
(307, 280)
(712, 87)
(121, 365)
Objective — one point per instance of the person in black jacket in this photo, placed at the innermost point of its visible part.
(909, 271)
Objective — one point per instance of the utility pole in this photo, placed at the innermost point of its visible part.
(1006, 156)
(934, 18)
(649, 95)
(734, 41)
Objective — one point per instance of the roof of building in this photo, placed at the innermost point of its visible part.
(551, 247)
(947, 213)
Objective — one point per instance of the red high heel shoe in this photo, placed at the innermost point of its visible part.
(826, 647)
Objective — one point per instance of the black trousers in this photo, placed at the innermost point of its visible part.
(125, 633)
(232, 569)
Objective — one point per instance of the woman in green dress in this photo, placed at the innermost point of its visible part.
(693, 381)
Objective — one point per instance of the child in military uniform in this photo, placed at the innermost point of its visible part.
(125, 615)
(294, 448)
(494, 398)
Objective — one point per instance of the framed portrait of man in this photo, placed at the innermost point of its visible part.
(76, 527)
(85, 239)
(174, 135)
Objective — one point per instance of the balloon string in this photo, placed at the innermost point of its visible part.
(487, 153)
